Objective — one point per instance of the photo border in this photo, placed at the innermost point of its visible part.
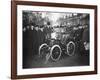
(14, 38)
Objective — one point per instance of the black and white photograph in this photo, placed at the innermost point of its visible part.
(55, 39)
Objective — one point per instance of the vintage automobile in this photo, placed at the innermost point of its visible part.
(56, 43)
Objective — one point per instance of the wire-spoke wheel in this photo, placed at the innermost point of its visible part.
(70, 48)
(55, 52)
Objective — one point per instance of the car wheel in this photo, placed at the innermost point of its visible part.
(55, 52)
(70, 48)
(42, 49)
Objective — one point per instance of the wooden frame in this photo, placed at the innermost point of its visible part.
(14, 45)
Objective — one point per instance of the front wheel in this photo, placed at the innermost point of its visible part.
(70, 48)
(55, 52)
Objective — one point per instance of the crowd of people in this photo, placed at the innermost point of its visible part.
(36, 35)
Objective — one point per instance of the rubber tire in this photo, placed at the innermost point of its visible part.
(52, 53)
(71, 42)
(44, 44)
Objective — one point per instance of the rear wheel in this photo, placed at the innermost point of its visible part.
(70, 48)
(55, 52)
(42, 49)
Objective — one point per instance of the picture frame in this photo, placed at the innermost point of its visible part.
(18, 71)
